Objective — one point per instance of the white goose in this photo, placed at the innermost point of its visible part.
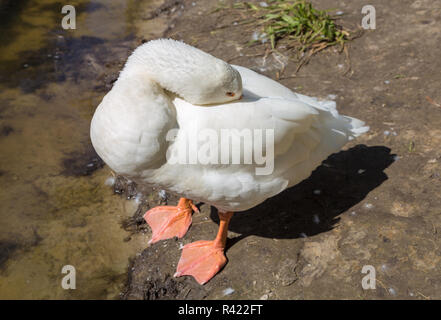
(168, 85)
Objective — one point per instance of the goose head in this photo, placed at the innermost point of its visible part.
(195, 76)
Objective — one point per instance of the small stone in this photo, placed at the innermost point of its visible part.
(264, 297)
(360, 171)
(263, 4)
(386, 81)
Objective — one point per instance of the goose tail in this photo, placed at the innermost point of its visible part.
(349, 126)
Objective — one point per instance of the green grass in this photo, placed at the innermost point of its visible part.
(298, 22)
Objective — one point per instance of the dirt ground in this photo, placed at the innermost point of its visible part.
(378, 202)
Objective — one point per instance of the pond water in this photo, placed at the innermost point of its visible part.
(55, 208)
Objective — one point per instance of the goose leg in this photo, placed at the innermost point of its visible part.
(203, 259)
(169, 221)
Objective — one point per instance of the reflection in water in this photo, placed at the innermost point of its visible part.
(54, 207)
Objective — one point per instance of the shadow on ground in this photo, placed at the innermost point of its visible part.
(313, 206)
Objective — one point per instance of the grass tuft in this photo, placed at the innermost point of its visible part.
(299, 22)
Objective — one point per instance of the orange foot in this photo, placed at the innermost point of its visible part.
(203, 259)
(168, 221)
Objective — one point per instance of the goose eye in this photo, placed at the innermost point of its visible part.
(230, 94)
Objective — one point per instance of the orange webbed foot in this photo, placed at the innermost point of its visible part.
(202, 260)
(170, 221)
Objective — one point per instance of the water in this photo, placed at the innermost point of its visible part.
(55, 208)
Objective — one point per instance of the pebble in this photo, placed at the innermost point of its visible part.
(386, 81)
(263, 4)
(303, 235)
(360, 171)
(264, 297)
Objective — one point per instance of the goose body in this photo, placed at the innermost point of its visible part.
(131, 127)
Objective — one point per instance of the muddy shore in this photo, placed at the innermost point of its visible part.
(375, 203)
